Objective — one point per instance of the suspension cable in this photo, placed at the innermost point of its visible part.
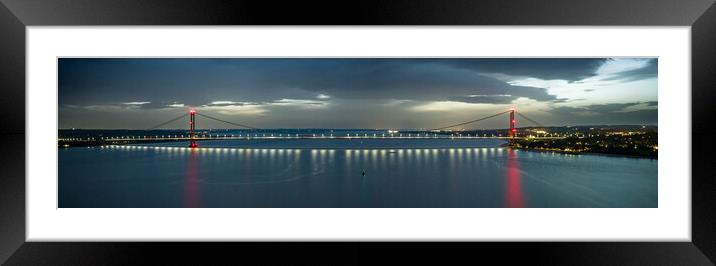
(231, 123)
(472, 121)
(528, 119)
(167, 122)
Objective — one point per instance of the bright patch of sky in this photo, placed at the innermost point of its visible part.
(602, 88)
(618, 65)
(136, 103)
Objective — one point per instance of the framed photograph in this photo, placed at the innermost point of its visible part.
(574, 128)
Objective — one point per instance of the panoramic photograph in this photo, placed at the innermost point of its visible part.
(346, 132)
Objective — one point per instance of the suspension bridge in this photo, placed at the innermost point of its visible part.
(193, 135)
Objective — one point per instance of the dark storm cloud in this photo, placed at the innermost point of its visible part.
(616, 109)
(494, 99)
(401, 80)
(511, 94)
(570, 69)
(604, 108)
(614, 113)
(201, 81)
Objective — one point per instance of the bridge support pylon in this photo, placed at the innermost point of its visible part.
(192, 127)
(513, 124)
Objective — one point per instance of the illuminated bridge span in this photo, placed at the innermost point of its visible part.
(443, 132)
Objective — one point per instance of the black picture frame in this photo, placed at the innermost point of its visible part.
(15, 15)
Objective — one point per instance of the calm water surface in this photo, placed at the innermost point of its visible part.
(329, 173)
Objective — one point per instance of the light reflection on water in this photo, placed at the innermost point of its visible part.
(166, 176)
(191, 195)
(515, 197)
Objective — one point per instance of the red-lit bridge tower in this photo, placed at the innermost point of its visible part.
(192, 127)
(513, 122)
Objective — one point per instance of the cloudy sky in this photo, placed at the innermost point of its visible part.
(138, 93)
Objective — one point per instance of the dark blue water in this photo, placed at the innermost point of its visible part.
(329, 173)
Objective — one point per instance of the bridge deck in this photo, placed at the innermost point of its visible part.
(291, 137)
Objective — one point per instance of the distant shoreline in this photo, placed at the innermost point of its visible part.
(589, 153)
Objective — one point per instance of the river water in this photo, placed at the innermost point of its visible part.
(349, 173)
